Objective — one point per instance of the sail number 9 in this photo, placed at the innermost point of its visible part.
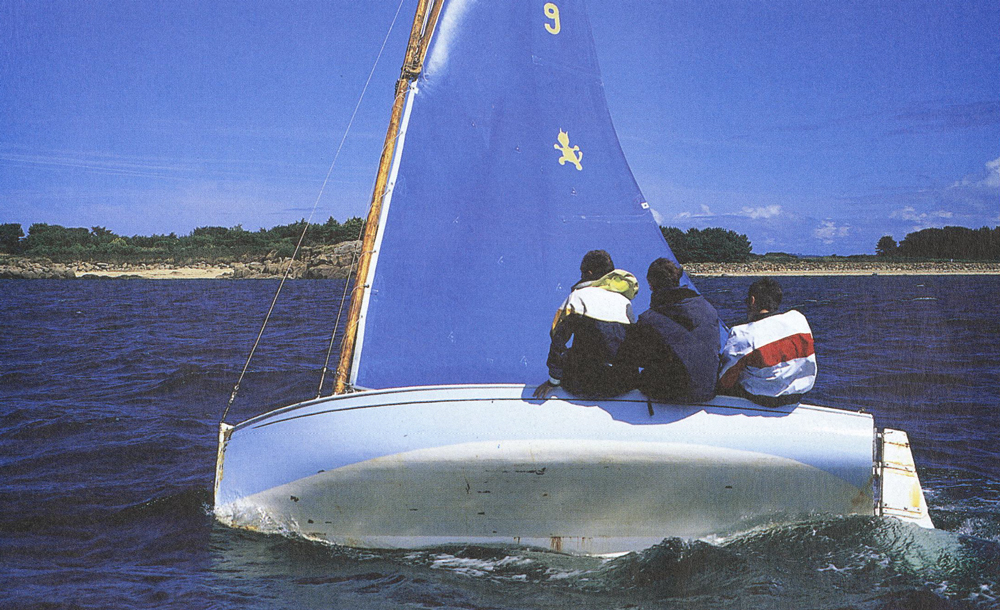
(552, 12)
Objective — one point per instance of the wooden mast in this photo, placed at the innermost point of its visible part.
(420, 34)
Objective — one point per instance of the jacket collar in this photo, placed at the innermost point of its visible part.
(671, 296)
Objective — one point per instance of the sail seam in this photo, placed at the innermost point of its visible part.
(386, 202)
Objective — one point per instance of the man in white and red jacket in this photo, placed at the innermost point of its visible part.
(770, 359)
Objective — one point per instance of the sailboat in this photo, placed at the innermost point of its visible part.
(501, 169)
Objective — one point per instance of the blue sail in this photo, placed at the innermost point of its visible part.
(508, 171)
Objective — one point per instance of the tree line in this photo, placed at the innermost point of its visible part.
(712, 245)
(66, 244)
(960, 243)
(212, 243)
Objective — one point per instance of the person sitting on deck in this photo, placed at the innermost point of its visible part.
(675, 342)
(770, 359)
(595, 315)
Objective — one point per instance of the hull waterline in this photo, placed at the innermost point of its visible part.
(416, 467)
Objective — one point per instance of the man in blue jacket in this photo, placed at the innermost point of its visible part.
(676, 342)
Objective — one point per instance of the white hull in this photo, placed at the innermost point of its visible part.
(416, 467)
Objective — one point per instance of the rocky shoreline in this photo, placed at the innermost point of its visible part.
(322, 262)
(335, 262)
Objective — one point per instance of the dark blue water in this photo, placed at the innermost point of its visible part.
(111, 391)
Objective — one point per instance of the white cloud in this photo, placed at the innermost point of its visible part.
(769, 211)
(992, 174)
(656, 215)
(829, 231)
(922, 220)
(991, 180)
(705, 213)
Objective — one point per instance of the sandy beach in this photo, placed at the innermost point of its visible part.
(182, 273)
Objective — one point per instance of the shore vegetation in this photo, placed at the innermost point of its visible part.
(949, 243)
(204, 244)
(98, 249)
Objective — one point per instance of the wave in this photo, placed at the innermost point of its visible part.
(822, 562)
(915, 386)
(920, 378)
(826, 557)
(192, 503)
(203, 379)
(56, 517)
(17, 379)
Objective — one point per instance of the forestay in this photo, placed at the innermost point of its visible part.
(508, 170)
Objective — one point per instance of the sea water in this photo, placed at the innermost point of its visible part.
(111, 392)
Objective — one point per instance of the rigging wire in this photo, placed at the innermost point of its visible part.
(305, 228)
(347, 286)
(340, 312)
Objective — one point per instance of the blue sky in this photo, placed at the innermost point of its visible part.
(812, 127)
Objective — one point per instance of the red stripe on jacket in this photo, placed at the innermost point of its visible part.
(772, 354)
(782, 350)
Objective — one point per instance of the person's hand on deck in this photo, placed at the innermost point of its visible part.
(543, 390)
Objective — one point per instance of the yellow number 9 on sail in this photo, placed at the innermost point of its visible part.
(552, 12)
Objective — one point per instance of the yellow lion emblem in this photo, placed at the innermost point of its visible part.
(570, 154)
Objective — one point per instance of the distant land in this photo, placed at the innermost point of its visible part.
(329, 251)
(314, 262)
(826, 266)
(336, 262)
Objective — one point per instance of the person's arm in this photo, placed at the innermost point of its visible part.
(562, 331)
(634, 350)
(732, 360)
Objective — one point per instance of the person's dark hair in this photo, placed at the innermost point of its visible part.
(766, 293)
(663, 273)
(596, 263)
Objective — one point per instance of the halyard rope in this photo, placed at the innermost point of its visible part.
(298, 245)
(340, 311)
(347, 285)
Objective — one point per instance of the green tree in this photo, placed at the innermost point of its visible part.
(10, 237)
(55, 241)
(213, 233)
(350, 230)
(952, 243)
(677, 242)
(886, 247)
(102, 234)
(712, 245)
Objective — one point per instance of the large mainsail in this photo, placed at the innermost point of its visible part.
(508, 170)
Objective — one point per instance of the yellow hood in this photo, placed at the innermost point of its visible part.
(619, 281)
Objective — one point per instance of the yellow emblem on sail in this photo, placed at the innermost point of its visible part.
(571, 154)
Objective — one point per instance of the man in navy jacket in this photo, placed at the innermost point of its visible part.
(676, 342)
